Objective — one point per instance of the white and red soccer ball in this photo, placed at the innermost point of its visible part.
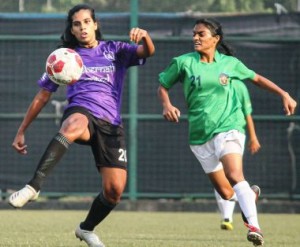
(64, 66)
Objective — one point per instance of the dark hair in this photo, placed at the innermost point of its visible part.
(67, 38)
(216, 29)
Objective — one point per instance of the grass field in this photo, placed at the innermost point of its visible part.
(142, 229)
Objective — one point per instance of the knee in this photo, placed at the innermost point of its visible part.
(74, 126)
(113, 193)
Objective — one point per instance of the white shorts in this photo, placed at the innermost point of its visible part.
(210, 153)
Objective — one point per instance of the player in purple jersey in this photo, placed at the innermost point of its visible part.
(92, 116)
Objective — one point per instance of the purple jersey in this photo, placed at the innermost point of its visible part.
(100, 87)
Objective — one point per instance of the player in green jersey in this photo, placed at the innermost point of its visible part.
(216, 120)
(226, 207)
(244, 97)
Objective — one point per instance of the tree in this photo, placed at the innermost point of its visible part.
(172, 6)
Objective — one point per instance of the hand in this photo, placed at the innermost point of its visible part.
(253, 146)
(19, 144)
(289, 104)
(171, 114)
(136, 34)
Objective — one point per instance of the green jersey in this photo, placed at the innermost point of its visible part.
(243, 96)
(213, 105)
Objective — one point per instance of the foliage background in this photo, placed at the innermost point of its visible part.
(215, 6)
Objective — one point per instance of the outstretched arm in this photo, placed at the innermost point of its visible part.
(253, 143)
(170, 112)
(39, 101)
(147, 48)
(289, 104)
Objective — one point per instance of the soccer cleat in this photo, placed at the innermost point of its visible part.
(226, 225)
(256, 190)
(89, 237)
(19, 198)
(255, 235)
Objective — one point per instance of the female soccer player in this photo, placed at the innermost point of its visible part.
(216, 121)
(226, 207)
(92, 116)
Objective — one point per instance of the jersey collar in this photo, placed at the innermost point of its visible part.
(217, 56)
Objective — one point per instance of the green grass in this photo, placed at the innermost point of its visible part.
(142, 229)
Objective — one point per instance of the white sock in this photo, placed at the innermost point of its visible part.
(226, 207)
(246, 198)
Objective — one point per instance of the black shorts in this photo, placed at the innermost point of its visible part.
(107, 140)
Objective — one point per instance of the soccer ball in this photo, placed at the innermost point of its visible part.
(64, 66)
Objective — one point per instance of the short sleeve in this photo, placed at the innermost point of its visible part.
(128, 55)
(45, 83)
(170, 75)
(242, 72)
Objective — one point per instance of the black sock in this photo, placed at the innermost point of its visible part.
(99, 210)
(55, 150)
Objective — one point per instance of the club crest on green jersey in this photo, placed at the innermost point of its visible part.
(223, 79)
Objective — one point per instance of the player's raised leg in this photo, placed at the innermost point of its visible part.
(55, 150)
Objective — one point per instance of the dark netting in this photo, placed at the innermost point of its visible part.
(165, 163)
(161, 24)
